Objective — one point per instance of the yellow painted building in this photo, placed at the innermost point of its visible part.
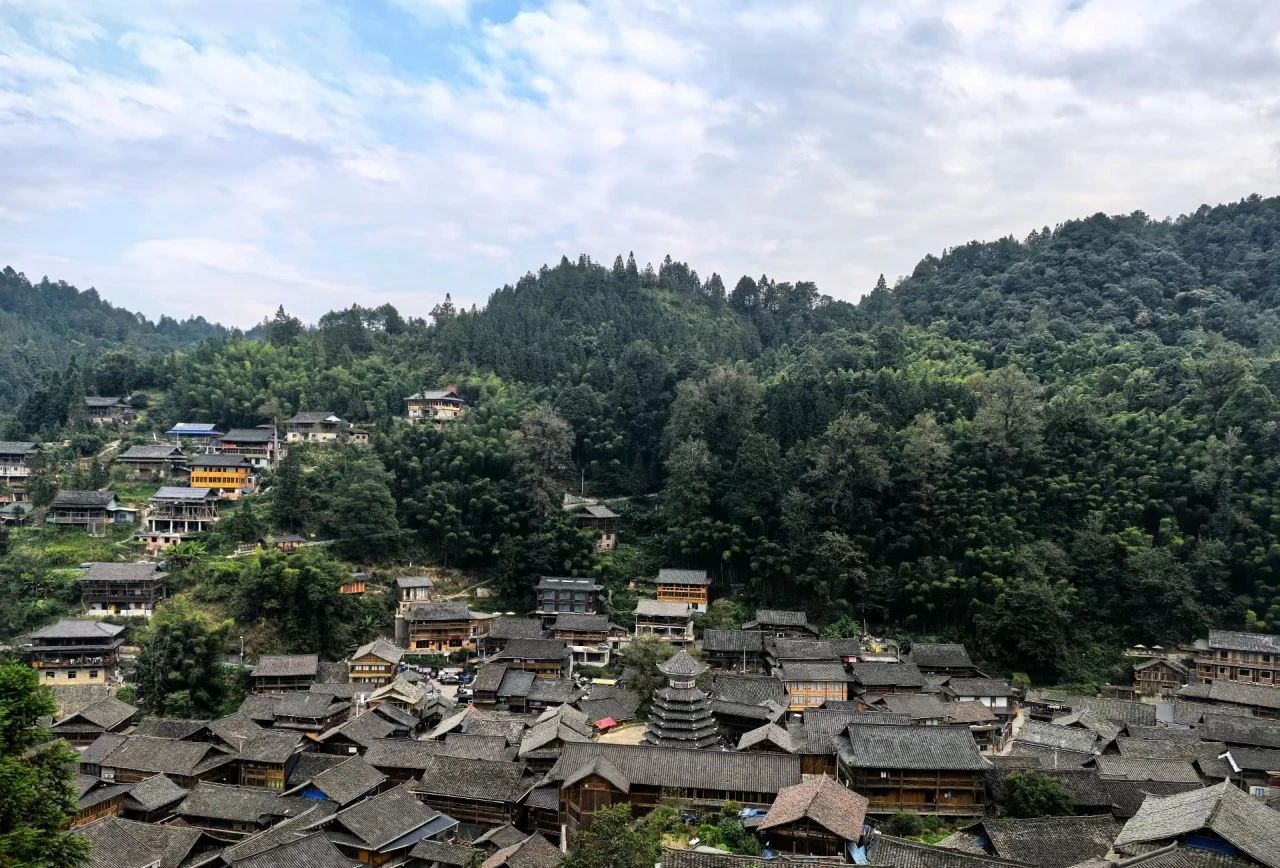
(231, 476)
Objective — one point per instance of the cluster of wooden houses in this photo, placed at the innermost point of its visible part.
(364, 763)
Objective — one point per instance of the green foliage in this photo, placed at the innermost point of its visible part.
(613, 841)
(644, 655)
(177, 672)
(904, 825)
(724, 831)
(1031, 794)
(37, 795)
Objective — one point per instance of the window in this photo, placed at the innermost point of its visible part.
(93, 673)
(71, 674)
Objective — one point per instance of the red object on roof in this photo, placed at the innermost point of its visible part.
(606, 723)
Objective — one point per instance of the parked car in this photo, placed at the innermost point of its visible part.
(449, 678)
(465, 694)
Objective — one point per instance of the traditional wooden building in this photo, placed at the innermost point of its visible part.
(545, 658)
(503, 629)
(414, 589)
(153, 461)
(1234, 697)
(439, 405)
(887, 678)
(259, 446)
(734, 650)
(482, 791)
(564, 595)
(1227, 655)
(107, 714)
(320, 427)
(596, 519)
(935, 770)
(945, 658)
(684, 586)
(108, 410)
(357, 584)
(594, 775)
(586, 635)
(670, 621)
(996, 694)
(74, 651)
(97, 799)
(130, 590)
(781, 624)
(283, 542)
(680, 716)
(442, 628)
(91, 511)
(139, 757)
(810, 685)
(1160, 677)
(16, 458)
(177, 513)
(816, 817)
(231, 476)
(280, 673)
(375, 664)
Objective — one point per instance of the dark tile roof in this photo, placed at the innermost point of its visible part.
(78, 628)
(1160, 733)
(885, 850)
(440, 853)
(467, 746)
(501, 836)
(779, 618)
(617, 703)
(832, 806)
(1245, 731)
(1054, 736)
(120, 843)
(1236, 693)
(516, 628)
(515, 683)
(183, 493)
(17, 447)
(873, 675)
(1128, 796)
(249, 435)
(154, 793)
(980, 687)
(671, 767)
(578, 622)
(534, 649)
(681, 665)
(534, 851)
(1119, 710)
(940, 655)
(1169, 749)
(553, 691)
(67, 497)
(415, 582)
(1191, 713)
(292, 828)
(479, 779)
(566, 583)
(1084, 785)
(1050, 842)
(801, 649)
(220, 460)
(735, 641)
(102, 747)
(382, 648)
(378, 821)
(1235, 641)
(142, 753)
(122, 572)
(363, 729)
(313, 851)
(747, 689)
(286, 665)
(106, 713)
(817, 670)
(441, 611)
(917, 706)
(269, 747)
(223, 802)
(695, 578)
(947, 748)
(662, 609)
(1241, 820)
(149, 452)
(310, 417)
(769, 733)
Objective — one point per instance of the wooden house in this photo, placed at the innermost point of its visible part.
(586, 635)
(259, 446)
(1227, 655)
(107, 714)
(672, 622)
(886, 678)
(153, 800)
(949, 659)
(382, 830)
(481, 791)
(129, 590)
(231, 476)
(564, 595)
(734, 650)
(439, 405)
(284, 542)
(91, 511)
(545, 658)
(816, 817)
(1234, 697)
(594, 518)
(935, 770)
(375, 664)
(16, 458)
(414, 589)
(138, 757)
(810, 685)
(74, 651)
(442, 628)
(230, 813)
(684, 586)
(175, 514)
(996, 694)
(108, 410)
(503, 629)
(782, 624)
(1208, 825)
(97, 799)
(320, 427)
(153, 461)
(356, 585)
(594, 775)
(280, 673)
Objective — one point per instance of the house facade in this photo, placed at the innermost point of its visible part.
(176, 513)
(1227, 655)
(1160, 677)
(442, 628)
(565, 595)
(440, 405)
(75, 651)
(128, 590)
(684, 586)
(375, 664)
(230, 476)
(936, 770)
(813, 684)
(672, 622)
(320, 427)
(153, 461)
(259, 446)
(16, 458)
(91, 511)
(108, 410)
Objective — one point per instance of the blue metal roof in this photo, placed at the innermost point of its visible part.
(197, 428)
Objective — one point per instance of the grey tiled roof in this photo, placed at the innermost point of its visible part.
(122, 572)
(801, 649)
(440, 853)
(107, 713)
(671, 767)
(78, 628)
(940, 655)
(1234, 641)
(1239, 819)
(1166, 771)
(155, 792)
(736, 641)
(873, 675)
(578, 622)
(120, 843)
(378, 821)
(566, 583)
(1054, 736)
(516, 628)
(16, 447)
(946, 748)
(900, 853)
(67, 497)
(1245, 731)
(980, 687)
(779, 618)
(534, 649)
(249, 435)
(478, 779)
(817, 670)
(286, 665)
(312, 851)
(1050, 842)
(161, 755)
(697, 578)
(1252, 695)
(223, 802)
(747, 689)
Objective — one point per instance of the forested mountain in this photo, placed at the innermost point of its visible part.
(45, 325)
(1048, 448)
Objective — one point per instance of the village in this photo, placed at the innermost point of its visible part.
(467, 737)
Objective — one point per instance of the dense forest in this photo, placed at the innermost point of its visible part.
(1046, 447)
(43, 326)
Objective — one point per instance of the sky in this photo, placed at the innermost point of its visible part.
(188, 157)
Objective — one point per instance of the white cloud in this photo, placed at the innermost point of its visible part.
(309, 161)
